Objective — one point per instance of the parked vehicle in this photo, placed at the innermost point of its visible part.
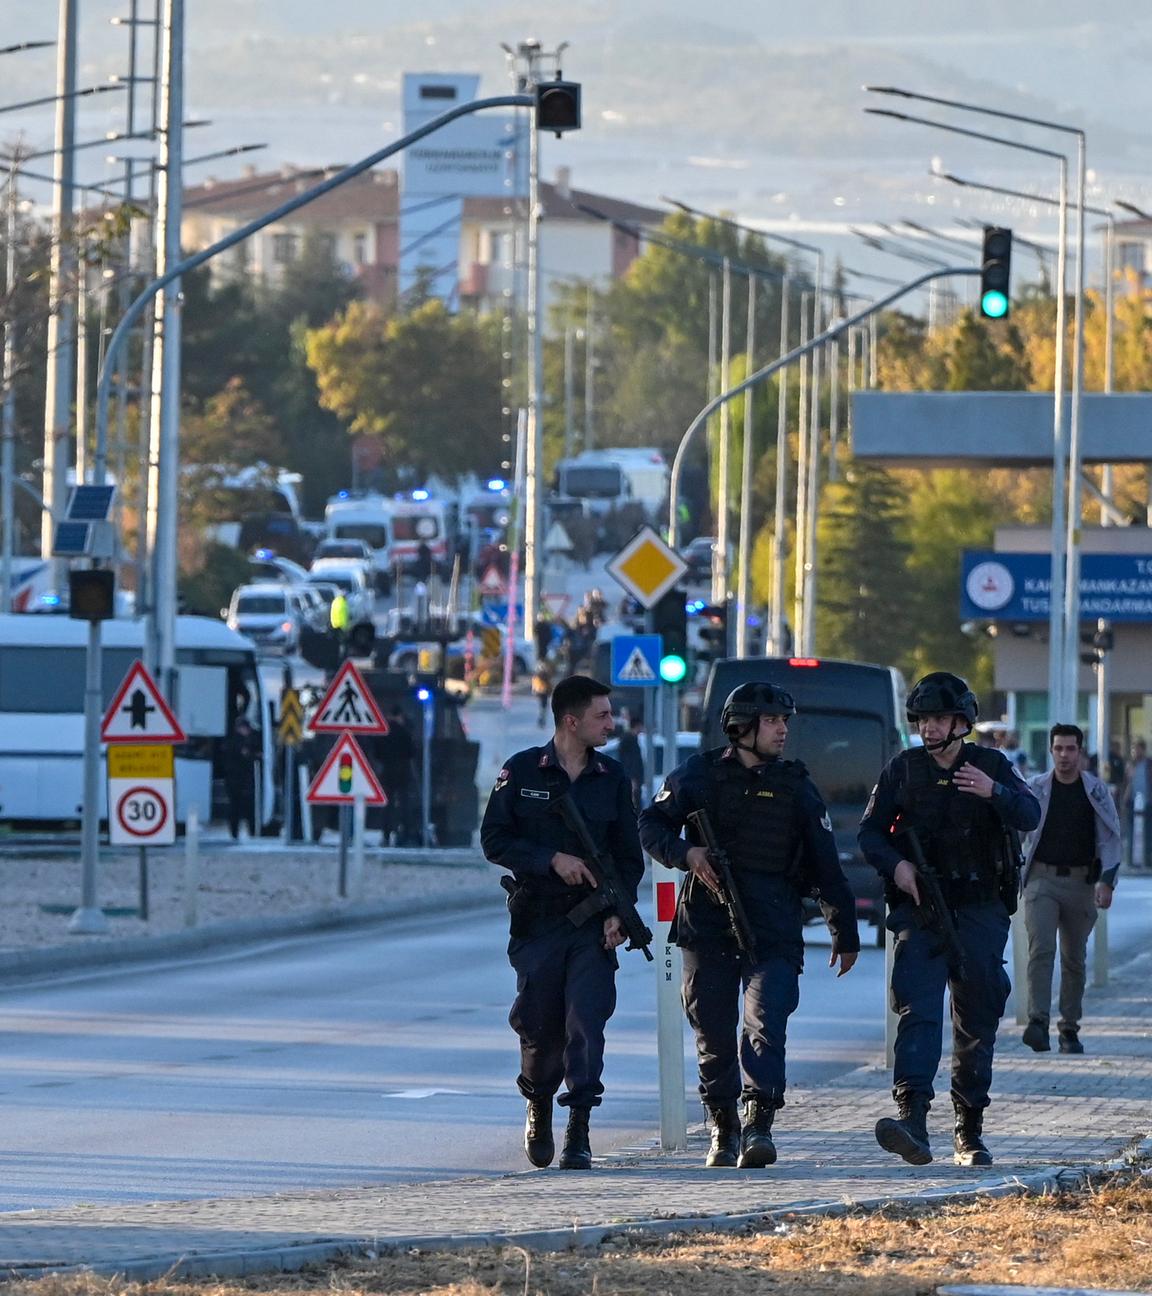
(268, 614)
(274, 568)
(849, 722)
(42, 713)
(367, 518)
(420, 522)
(343, 547)
(351, 580)
(648, 476)
(595, 482)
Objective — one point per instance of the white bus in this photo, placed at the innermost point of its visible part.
(42, 659)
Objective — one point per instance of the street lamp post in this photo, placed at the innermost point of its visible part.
(1068, 692)
(1056, 639)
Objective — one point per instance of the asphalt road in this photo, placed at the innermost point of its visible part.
(364, 1056)
(378, 1055)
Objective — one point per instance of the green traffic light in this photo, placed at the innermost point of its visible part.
(673, 668)
(994, 304)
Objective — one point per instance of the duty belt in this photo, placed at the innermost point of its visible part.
(1063, 870)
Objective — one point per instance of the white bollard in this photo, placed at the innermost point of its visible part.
(669, 1012)
(1017, 1005)
(191, 867)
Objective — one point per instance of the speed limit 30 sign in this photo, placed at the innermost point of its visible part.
(141, 796)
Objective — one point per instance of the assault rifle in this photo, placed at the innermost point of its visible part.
(610, 895)
(729, 894)
(933, 912)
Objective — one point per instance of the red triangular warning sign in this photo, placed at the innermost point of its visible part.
(492, 582)
(344, 776)
(138, 712)
(348, 706)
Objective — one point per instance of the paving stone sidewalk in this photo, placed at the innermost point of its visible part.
(1049, 1111)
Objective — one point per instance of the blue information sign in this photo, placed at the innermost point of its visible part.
(636, 660)
(1016, 586)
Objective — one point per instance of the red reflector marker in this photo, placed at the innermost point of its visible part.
(803, 661)
(665, 901)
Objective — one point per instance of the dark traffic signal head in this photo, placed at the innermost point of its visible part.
(558, 106)
(92, 594)
(995, 273)
(670, 622)
(713, 632)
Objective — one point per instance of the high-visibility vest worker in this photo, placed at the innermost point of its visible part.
(338, 613)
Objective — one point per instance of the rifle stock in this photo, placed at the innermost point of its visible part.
(610, 893)
(933, 911)
(729, 893)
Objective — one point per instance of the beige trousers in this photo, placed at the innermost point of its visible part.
(1064, 906)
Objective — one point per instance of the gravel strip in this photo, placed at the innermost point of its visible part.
(40, 892)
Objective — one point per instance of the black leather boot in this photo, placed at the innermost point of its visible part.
(907, 1136)
(756, 1147)
(577, 1151)
(725, 1122)
(538, 1140)
(967, 1140)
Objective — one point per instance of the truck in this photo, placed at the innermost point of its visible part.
(605, 480)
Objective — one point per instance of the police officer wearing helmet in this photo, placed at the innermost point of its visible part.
(565, 966)
(770, 819)
(962, 801)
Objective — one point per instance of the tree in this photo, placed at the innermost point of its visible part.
(862, 554)
(428, 384)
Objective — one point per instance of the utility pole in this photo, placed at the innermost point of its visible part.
(744, 586)
(590, 371)
(163, 492)
(530, 58)
(8, 394)
(569, 392)
(783, 456)
(61, 341)
(723, 473)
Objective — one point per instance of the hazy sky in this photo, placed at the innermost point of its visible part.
(750, 105)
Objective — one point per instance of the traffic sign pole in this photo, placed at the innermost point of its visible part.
(669, 972)
(89, 920)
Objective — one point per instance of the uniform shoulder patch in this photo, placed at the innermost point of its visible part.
(826, 822)
(502, 779)
(663, 795)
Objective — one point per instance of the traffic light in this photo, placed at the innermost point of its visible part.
(995, 272)
(92, 594)
(558, 106)
(713, 632)
(670, 622)
(344, 773)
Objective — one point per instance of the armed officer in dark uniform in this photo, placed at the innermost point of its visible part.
(770, 820)
(565, 973)
(960, 802)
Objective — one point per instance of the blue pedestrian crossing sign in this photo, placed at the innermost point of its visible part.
(636, 660)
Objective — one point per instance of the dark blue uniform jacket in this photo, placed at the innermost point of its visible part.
(772, 901)
(1012, 800)
(521, 832)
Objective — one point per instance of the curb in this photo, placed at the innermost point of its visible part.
(141, 949)
(288, 1259)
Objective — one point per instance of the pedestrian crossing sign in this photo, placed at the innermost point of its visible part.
(348, 706)
(636, 660)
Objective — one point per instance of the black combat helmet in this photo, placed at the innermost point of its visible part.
(746, 704)
(942, 693)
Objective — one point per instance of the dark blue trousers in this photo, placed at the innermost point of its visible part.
(565, 994)
(739, 1053)
(919, 977)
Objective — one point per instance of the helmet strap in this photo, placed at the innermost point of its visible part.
(951, 738)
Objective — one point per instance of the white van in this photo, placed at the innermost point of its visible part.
(367, 518)
(42, 663)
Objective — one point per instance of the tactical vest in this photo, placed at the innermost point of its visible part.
(756, 814)
(960, 834)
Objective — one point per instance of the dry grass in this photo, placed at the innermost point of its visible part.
(1099, 1237)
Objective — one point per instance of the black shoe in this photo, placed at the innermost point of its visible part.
(1070, 1041)
(756, 1147)
(967, 1138)
(1036, 1036)
(577, 1152)
(538, 1140)
(725, 1122)
(907, 1136)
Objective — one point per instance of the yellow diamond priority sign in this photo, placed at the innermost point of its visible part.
(647, 567)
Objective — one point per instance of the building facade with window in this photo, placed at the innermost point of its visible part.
(1134, 249)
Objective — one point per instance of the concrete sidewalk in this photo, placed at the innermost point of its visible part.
(1049, 1111)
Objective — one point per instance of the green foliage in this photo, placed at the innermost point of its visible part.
(207, 589)
(865, 611)
(427, 384)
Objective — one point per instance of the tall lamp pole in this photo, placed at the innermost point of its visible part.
(1069, 691)
(1056, 639)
